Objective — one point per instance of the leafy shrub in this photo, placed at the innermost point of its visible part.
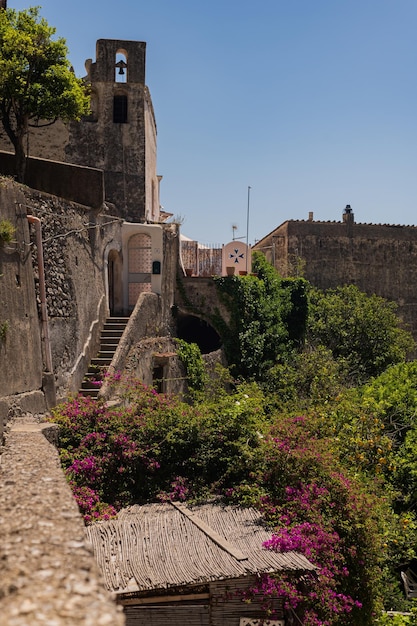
(267, 319)
(7, 231)
(309, 378)
(138, 451)
(155, 447)
(318, 510)
(190, 355)
(362, 332)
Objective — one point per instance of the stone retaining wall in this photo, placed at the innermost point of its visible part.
(84, 185)
(48, 574)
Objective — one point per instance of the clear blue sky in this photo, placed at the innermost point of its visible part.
(311, 103)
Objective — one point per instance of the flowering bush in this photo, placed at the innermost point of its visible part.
(317, 510)
(90, 506)
(155, 447)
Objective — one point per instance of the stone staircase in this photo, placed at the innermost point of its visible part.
(109, 340)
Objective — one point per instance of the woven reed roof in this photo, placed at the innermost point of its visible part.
(158, 546)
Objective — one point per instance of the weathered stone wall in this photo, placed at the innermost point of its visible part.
(74, 240)
(84, 185)
(171, 244)
(20, 339)
(199, 296)
(48, 571)
(44, 141)
(378, 259)
(147, 354)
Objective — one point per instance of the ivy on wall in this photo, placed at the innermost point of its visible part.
(190, 355)
(268, 317)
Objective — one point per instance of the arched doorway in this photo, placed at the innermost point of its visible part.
(193, 329)
(139, 266)
(114, 276)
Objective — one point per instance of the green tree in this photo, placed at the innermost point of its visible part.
(363, 332)
(392, 399)
(37, 84)
(311, 378)
(267, 319)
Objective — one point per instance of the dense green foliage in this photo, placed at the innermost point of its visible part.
(141, 450)
(267, 319)
(36, 81)
(362, 332)
(331, 465)
(306, 379)
(190, 355)
(158, 447)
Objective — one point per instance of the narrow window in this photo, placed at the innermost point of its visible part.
(93, 117)
(120, 109)
(158, 378)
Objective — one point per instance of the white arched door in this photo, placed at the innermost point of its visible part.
(139, 266)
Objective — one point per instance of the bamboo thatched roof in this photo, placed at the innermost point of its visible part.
(158, 546)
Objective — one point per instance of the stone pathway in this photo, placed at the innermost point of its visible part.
(48, 575)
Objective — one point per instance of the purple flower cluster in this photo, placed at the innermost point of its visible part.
(90, 506)
(179, 491)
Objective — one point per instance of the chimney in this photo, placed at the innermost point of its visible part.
(348, 217)
(310, 216)
(3, 4)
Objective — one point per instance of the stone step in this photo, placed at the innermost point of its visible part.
(105, 352)
(93, 369)
(114, 326)
(105, 334)
(92, 393)
(112, 341)
(102, 361)
(117, 320)
(90, 384)
(110, 336)
(95, 374)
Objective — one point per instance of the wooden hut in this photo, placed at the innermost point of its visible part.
(171, 565)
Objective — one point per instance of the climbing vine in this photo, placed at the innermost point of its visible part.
(190, 355)
(268, 318)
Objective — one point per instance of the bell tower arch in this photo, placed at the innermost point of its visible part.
(119, 136)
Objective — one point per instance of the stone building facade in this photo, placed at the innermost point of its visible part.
(101, 251)
(119, 136)
(379, 259)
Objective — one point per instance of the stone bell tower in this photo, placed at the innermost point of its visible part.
(119, 136)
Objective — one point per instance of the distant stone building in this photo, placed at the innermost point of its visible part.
(379, 259)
